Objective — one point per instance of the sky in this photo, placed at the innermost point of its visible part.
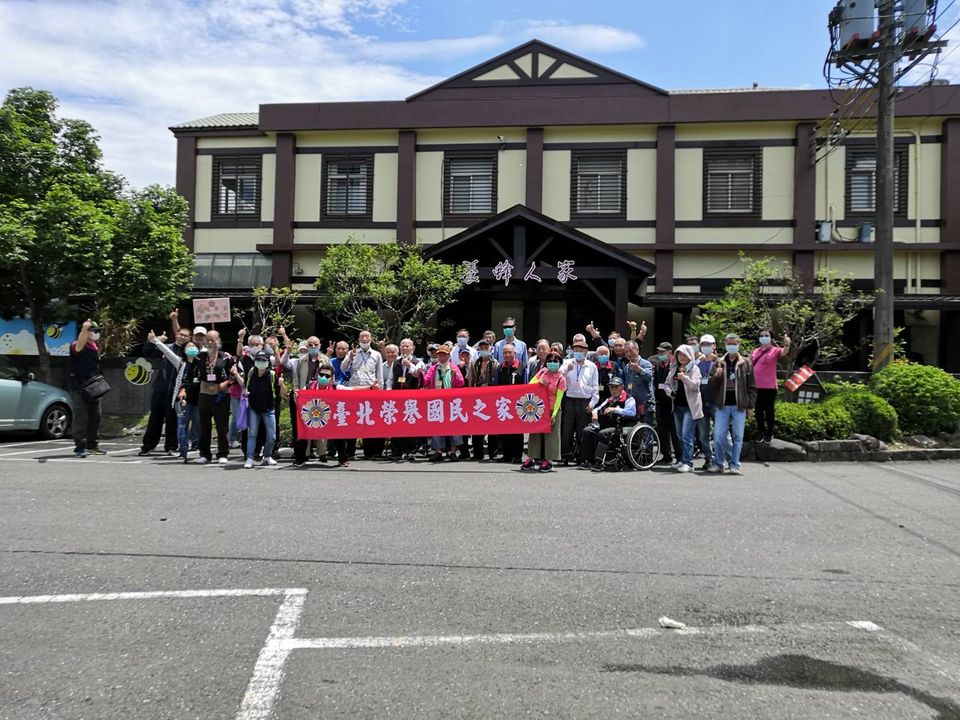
(132, 68)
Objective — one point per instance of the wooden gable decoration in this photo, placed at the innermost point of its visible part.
(535, 63)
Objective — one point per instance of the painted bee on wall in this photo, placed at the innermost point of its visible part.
(139, 372)
(54, 330)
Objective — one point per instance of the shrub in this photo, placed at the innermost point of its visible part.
(836, 422)
(800, 423)
(925, 398)
(285, 429)
(871, 414)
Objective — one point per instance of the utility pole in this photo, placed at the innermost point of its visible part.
(887, 57)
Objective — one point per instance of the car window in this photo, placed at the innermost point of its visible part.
(7, 370)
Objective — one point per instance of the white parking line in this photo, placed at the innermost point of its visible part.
(148, 595)
(58, 448)
(35, 442)
(945, 668)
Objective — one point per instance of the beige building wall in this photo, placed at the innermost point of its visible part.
(268, 168)
(306, 194)
(924, 186)
(600, 133)
(830, 178)
(556, 184)
(641, 184)
(201, 208)
(230, 240)
(741, 235)
(337, 236)
(347, 138)
(236, 142)
(431, 236)
(511, 178)
(688, 183)
(471, 135)
(429, 186)
(736, 131)
(385, 187)
(621, 236)
(777, 183)
(701, 265)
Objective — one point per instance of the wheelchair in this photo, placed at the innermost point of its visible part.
(635, 443)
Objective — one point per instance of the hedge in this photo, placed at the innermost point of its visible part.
(871, 414)
(925, 398)
(800, 422)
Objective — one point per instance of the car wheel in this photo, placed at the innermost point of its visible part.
(55, 422)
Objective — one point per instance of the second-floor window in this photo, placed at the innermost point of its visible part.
(236, 187)
(861, 185)
(598, 185)
(732, 181)
(470, 184)
(347, 186)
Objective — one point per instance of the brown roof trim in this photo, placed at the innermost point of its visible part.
(586, 108)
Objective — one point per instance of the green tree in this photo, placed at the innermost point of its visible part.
(270, 309)
(389, 289)
(71, 229)
(772, 295)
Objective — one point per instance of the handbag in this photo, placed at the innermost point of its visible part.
(242, 411)
(95, 387)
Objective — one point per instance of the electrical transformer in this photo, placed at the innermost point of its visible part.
(858, 23)
(915, 17)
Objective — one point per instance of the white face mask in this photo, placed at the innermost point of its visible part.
(364, 346)
(94, 336)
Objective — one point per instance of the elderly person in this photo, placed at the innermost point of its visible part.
(662, 364)
(510, 372)
(687, 404)
(638, 382)
(583, 393)
(543, 449)
(483, 373)
(444, 375)
(217, 372)
(597, 435)
(735, 390)
(538, 361)
(306, 375)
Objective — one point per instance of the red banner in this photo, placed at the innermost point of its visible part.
(497, 410)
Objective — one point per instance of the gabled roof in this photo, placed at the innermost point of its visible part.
(482, 230)
(224, 121)
(535, 63)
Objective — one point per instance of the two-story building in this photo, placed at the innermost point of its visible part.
(578, 194)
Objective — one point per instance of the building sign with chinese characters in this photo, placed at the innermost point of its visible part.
(496, 410)
(503, 272)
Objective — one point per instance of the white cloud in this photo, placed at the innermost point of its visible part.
(134, 67)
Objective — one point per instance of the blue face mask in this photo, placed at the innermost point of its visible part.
(553, 366)
(733, 349)
(313, 352)
(322, 381)
(764, 339)
(483, 353)
(602, 359)
(706, 349)
(508, 332)
(577, 355)
(462, 341)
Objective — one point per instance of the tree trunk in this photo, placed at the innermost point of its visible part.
(43, 357)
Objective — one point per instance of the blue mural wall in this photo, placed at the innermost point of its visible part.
(16, 337)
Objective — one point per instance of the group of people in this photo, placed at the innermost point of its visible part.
(698, 396)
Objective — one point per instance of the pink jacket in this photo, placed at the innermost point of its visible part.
(691, 383)
(430, 376)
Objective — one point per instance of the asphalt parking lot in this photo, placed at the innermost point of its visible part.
(142, 588)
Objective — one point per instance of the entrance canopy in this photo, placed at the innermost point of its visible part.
(520, 251)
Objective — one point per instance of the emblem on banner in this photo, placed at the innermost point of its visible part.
(315, 414)
(530, 407)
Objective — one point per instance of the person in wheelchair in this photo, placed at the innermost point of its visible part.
(607, 417)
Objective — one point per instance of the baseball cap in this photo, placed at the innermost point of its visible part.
(665, 346)
(615, 380)
(708, 339)
(199, 330)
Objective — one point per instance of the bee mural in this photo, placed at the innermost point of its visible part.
(139, 372)
(54, 330)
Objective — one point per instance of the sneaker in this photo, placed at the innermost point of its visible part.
(768, 438)
(96, 451)
(706, 466)
(597, 467)
(527, 464)
(143, 452)
(735, 471)
(343, 463)
(410, 457)
(726, 471)
(202, 460)
(80, 453)
(248, 464)
(222, 461)
(584, 465)
(677, 465)
(234, 443)
(545, 466)
(684, 468)
(171, 453)
(435, 457)
(715, 469)
(268, 461)
(454, 457)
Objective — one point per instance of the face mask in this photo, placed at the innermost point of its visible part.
(191, 352)
(254, 349)
(733, 349)
(662, 358)
(577, 355)
(261, 364)
(483, 353)
(611, 341)
(764, 339)
(553, 366)
(602, 359)
(508, 332)
(706, 349)
(364, 346)
(313, 352)
(94, 336)
(323, 381)
(462, 341)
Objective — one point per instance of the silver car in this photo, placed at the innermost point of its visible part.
(26, 404)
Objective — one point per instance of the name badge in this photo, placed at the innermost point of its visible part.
(704, 381)
(211, 377)
(629, 387)
(402, 379)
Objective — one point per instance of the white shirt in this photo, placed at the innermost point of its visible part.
(583, 380)
(365, 366)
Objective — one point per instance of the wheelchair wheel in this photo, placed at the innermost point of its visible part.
(642, 447)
